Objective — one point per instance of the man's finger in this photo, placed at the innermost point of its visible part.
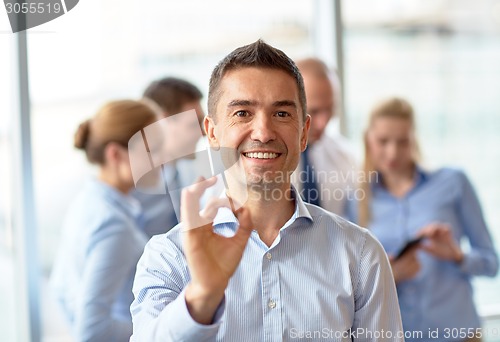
(206, 217)
(201, 184)
(213, 206)
(245, 225)
(190, 200)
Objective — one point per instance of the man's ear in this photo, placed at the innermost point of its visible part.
(305, 133)
(209, 125)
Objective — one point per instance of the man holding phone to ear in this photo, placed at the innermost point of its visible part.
(276, 269)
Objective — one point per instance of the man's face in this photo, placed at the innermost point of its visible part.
(259, 117)
(320, 104)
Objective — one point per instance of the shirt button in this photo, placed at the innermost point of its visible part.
(271, 304)
(269, 256)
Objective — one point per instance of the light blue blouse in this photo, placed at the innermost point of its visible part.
(440, 296)
(93, 273)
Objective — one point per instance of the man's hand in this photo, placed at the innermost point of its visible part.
(440, 242)
(406, 267)
(212, 259)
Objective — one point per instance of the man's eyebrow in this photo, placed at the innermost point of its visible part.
(237, 103)
(285, 103)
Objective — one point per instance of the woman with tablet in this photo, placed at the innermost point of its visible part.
(404, 202)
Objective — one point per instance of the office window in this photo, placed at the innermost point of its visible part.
(443, 56)
(8, 294)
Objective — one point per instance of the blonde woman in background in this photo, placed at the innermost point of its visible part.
(402, 202)
(102, 242)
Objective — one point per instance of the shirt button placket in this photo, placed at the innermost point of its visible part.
(271, 298)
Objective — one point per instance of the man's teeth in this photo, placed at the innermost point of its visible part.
(261, 155)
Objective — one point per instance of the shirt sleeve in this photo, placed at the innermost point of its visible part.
(109, 267)
(482, 258)
(377, 316)
(159, 311)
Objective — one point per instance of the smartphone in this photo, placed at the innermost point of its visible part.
(409, 246)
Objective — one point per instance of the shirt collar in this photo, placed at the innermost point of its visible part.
(225, 215)
(300, 206)
(420, 175)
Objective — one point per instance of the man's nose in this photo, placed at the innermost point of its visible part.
(263, 128)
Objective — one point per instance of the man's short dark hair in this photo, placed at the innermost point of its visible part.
(258, 54)
(171, 94)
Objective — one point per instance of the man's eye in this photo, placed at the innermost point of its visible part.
(282, 114)
(241, 113)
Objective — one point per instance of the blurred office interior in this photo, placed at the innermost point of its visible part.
(442, 55)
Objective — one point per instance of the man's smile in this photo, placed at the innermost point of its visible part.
(261, 155)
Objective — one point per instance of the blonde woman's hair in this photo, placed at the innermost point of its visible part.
(116, 121)
(395, 108)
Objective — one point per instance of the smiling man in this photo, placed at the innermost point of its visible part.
(277, 269)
